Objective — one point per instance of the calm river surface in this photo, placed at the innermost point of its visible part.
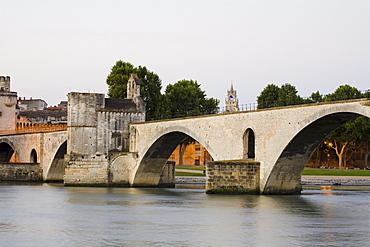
(53, 215)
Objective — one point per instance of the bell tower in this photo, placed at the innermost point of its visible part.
(231, 102)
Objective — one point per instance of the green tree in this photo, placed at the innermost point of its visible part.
(150, 88)
(361, 131)
(346, 136)
(343, 92)
(339, 140)
(268, 97)
(316, 97)
(273, 96)
(185, 98)
(287, 95)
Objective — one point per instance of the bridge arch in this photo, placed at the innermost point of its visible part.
(158, 151)
(57, 168)
(7, 150)
(286, 173)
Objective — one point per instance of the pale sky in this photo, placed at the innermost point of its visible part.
(50, 48)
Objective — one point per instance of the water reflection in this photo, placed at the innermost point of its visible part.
(185, 216)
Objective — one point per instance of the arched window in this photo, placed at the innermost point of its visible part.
(248, 144)
(33, 158)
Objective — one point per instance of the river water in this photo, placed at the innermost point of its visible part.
(53, 215)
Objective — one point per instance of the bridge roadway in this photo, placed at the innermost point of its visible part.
(281, 139)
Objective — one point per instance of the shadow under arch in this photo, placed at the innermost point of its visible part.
(152, 163)
(57, 167)
(6, 150)
(285, 177)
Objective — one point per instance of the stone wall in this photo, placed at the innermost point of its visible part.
(167, 178)
(86, 171)
(233, 177)
(25, 172)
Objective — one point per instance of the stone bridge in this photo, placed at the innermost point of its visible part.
(280, 139)
(46, 148)
(101, 148)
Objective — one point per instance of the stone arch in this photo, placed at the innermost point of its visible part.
(285, 175)
(33, 156)
(249, 144)
(184, 130)
(57, 167)
(7, 150)
(156, 155)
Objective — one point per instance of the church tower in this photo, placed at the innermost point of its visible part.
(231, 102)
(133, 87)
(133, 92)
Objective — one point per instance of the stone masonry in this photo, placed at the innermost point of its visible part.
(233, 177)
(26, 172)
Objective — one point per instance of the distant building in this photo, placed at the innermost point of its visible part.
(31, 104)
(48, 116)
(195, 155)
(231, 102)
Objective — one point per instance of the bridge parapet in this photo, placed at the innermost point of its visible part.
(25, 128)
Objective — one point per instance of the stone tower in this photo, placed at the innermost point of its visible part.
(8, 101)
(133, 92)
(133, 87)
(231, 102)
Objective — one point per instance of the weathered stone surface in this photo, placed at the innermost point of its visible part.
(25, 172)
(284, 138)
(167, 178)
(219, 180)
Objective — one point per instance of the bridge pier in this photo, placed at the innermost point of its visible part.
(233, 177)
(21, 172)
(86, 171)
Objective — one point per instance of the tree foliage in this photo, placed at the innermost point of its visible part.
(185, 98)
(273, 96)
(268, 97)
(353, 134)
(344, 92)
(150, 85)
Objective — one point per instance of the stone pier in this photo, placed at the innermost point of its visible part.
(233, 177)
(22, 172)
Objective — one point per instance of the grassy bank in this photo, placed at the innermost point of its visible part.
(335, 172)
(313, 172)
(189, 174)
(196, 168)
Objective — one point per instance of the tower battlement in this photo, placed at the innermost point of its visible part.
(5, 83)
(4, 78)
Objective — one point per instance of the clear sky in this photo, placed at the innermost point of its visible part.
(50, 48)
